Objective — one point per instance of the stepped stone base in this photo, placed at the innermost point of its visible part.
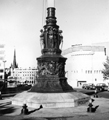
(50, 100)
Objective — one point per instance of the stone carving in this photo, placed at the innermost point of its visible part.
(51, 68)
(42, 69)
(42, 39)
(60, 39)
(51, 38)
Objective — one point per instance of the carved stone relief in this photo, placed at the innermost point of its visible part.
(51, 68)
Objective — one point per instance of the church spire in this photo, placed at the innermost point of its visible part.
(14, 65)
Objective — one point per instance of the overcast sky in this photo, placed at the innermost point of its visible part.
(82, 22)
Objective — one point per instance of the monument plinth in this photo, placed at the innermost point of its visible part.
(52, 89)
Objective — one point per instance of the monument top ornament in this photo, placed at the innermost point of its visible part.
(51, 37)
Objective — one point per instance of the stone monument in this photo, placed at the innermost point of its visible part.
(52, 89)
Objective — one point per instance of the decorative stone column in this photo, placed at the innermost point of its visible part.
(51, 65)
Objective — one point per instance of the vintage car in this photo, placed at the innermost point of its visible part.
(91, 86)
(84, 86)
(101, 87)
(88, 86)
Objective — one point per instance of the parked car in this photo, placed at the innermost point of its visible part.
(101, 87)
(91, 86)
(84, 86)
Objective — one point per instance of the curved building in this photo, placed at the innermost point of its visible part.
(84, 64)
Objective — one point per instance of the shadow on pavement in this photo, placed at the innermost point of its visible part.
(29, 119)
(58, 118)
(6, 109)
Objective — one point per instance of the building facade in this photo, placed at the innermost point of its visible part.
(25, 75)
(84, 64)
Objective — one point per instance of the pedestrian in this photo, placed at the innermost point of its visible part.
(0, 96)
(24, 109)
(96, 93)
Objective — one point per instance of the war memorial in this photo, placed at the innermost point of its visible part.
(52, 89)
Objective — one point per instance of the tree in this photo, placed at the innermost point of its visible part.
(105, 71)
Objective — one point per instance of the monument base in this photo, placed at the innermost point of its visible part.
(50, 100)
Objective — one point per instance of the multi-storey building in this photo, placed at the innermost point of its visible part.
(84, 64)
(25, 75)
